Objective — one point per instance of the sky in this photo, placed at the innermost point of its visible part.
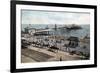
(51, 17)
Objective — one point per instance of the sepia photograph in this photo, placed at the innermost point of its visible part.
(54, 36)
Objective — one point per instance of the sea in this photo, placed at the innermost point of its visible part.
(85, 31)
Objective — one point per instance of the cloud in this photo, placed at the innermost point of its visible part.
(47, 17)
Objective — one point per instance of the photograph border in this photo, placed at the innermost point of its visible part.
(13, 35)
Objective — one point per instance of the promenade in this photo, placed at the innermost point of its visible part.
(35, 54)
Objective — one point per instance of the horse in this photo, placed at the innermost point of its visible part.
(54, 47)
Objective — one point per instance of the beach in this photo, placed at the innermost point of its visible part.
(56, 43)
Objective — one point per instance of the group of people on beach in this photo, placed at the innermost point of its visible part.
(51, 43)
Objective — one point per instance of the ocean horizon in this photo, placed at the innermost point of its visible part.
(77, 33)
